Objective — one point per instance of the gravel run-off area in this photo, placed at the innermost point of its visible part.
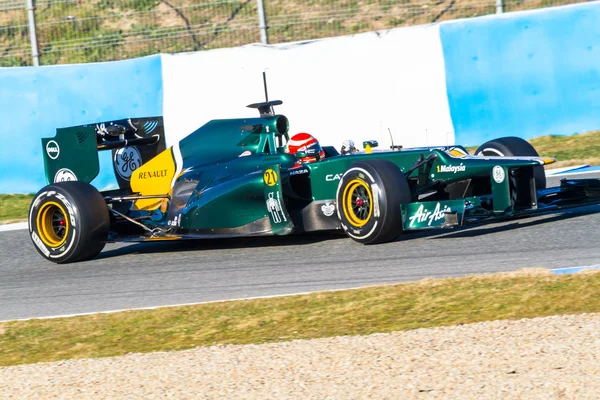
(543, 358)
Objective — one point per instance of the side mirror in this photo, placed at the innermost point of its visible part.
(371, 143)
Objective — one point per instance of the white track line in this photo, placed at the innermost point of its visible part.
(190, 304)
(13, 227)
(555, 171)
(576, 172)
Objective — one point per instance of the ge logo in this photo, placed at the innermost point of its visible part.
(270, 177)
(64, 175)
(127, 160)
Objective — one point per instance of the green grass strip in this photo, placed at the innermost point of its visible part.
(14, 207)
(423, 304)
(573, 147)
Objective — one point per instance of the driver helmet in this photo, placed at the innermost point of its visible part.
(307, 144)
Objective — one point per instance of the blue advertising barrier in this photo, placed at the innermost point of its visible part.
(524, 74)
(36, 101)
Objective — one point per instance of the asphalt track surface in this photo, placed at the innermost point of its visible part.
(168, 273)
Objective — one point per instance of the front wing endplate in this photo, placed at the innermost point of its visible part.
(432, 214)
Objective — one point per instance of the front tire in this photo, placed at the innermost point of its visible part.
(368, 199)
(68, 222)
(513, 146)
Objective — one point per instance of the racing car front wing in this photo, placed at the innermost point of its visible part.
(440, 214)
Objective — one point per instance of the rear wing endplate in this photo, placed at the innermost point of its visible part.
(72, 154)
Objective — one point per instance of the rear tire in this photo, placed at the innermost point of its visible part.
(368, 200)
(68, 222)
(513, 146)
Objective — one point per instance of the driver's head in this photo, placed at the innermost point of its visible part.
(307, 144)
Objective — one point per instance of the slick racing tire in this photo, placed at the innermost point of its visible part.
(513, 146)
(68, 222)
(368, 201)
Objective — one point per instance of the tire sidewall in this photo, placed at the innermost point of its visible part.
(502, 151)
(508, 146)
(365, 232)
(65, 251)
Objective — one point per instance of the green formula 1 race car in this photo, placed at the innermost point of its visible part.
(234, 178)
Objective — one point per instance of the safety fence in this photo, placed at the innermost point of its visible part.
(48, 32)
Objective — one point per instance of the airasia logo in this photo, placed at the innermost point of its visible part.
(424, 215)
(52, 149)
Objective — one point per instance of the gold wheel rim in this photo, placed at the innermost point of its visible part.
(52, 224)
(357, 202)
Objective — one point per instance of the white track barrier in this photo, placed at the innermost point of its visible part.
(351, 87)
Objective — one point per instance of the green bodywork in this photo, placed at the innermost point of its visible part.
(326, 174)
(232, 187)
(234, 178)
(226, 187)
(74, 149)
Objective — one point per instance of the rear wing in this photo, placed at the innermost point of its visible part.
(72, 154)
